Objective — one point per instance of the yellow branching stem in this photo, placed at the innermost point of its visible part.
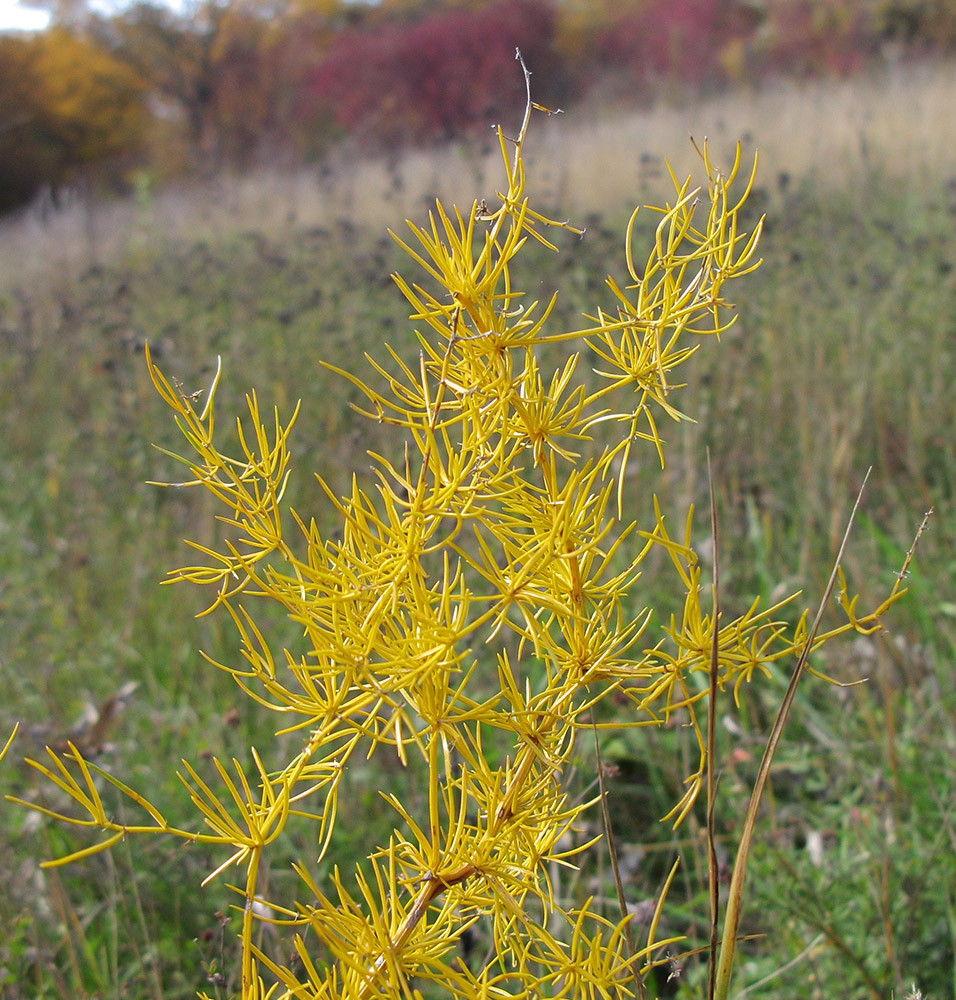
(493, 547)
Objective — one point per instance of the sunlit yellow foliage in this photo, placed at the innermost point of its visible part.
(65, 103)
(497, 535)
(98, 102)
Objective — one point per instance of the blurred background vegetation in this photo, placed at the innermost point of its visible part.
(229, 84)
(219, 181)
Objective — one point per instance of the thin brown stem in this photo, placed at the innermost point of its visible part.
(712, 867)
(735, 897)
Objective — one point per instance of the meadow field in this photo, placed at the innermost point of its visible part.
(843, 358)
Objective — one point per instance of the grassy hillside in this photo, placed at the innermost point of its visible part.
(843, 358)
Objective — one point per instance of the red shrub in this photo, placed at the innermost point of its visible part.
(446, 74)
(808, 38)
(673, 41)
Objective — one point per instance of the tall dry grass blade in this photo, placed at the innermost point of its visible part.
(712, 868)
(728, 944)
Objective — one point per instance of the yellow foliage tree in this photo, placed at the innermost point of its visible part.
(66, 106)
(97, 102)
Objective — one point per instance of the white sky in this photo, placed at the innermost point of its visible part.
(17, 16)
(14, 15)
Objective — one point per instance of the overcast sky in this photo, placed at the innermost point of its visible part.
(19, 16)
(14, 15)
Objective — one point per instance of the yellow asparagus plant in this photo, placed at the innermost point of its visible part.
(484, 592)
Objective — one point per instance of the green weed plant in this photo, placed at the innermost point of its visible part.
(476, 612)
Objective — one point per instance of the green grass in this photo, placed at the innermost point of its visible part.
(843, 358)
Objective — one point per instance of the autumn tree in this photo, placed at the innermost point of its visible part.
(227, 71)
(25, 154)
(67, 108)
